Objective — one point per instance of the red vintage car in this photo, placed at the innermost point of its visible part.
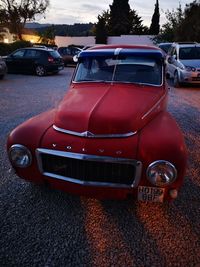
(111, 136)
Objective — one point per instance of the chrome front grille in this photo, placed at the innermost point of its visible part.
(88, 169)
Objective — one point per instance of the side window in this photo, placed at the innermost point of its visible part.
(38, 54)
(74, 51)
(173, 51)
(19, 54)
(66, 51)
(30, 53)
(170, 51)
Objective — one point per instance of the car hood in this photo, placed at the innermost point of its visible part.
(103, 109)
(191, 63)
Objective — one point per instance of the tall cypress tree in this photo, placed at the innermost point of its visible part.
(120, 17)
(155, 26)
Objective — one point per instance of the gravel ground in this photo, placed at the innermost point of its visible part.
(44, 227)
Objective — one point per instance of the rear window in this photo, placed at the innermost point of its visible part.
(54, 54)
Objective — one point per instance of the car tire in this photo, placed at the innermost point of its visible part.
(40, 70)
(1, 77)
(176, 80)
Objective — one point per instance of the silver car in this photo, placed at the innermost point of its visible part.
(183, 63)
(3, 68)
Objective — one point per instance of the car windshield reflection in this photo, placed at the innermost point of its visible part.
(126, 69)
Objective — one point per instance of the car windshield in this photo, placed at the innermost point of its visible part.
(131, 69)
(189, 53)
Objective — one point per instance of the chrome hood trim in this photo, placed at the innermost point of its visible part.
(91, 135)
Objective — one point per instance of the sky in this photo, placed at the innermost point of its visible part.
(85, 11)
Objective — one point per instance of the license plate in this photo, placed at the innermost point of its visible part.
(150, 194)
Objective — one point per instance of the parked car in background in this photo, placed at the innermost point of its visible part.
(3, 68)
(183, 63)
(111, 136)
(165, 47)
(37, 60)
(67, 53)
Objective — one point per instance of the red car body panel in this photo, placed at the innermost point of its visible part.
(118, 109)
(106, 109)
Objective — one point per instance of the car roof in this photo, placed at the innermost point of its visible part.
(123, 46)
(38, 48)
(186, 44)
(164, 44)
(114, 50)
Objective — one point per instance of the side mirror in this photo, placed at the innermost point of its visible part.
(171, 60)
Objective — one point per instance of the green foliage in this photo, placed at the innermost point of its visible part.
(47, 36)
(136, 24)
(15, 13)
(120, 19)
(189, 29)
(155, 26)
(101, 31)
(181, 25)
(120, 22)
(77, 29)
(6, 49)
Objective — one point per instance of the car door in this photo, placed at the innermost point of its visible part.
(30, 57)
(15, 61)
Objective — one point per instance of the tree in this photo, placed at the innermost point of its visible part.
(101, 32)
(120, 17)
(155, 27)
(48, 35)
(15, 13)
(136, 24)
(182, 25)
(189, 28)
(169, 29)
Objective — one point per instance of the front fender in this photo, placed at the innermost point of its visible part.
(30, 134)
(162, 139)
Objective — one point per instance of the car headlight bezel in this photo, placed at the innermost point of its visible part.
(161, 173)
(189, 68)
(20, 156)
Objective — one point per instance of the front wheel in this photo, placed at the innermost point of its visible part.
(40, 70)
(176, 80)
(1, 77)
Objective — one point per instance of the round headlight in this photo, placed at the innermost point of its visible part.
(161, 173)
(20, 156)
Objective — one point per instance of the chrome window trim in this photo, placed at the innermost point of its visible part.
(91, 135)
(86, 157)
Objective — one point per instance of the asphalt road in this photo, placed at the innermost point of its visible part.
(44, 227)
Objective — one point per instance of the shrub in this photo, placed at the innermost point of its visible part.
(6, 49)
